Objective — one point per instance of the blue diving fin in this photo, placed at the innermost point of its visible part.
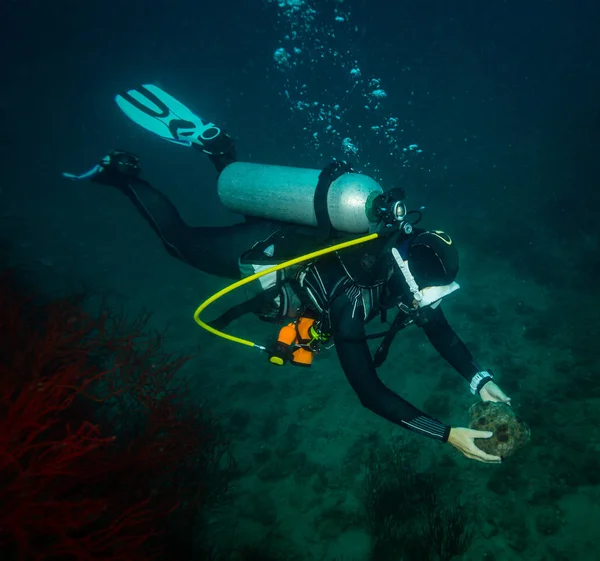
(160, 113)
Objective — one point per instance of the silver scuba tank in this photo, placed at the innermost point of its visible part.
(287, 194)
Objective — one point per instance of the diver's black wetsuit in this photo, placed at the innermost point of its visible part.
(216, 250)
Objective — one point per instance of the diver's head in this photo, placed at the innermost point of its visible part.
(432, 258)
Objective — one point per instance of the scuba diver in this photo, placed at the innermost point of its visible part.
(289, 212)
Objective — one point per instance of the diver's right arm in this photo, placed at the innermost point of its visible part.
(348, 331)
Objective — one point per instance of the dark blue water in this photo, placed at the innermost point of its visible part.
(487, 113)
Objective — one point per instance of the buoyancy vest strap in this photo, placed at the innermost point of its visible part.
(401, 321)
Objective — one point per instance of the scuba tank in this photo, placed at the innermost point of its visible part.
(334, 198)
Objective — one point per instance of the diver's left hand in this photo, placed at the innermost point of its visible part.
(491, 392)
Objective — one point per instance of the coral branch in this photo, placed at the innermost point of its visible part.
(94, 432)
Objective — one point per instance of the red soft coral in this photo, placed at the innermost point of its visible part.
(70, 487)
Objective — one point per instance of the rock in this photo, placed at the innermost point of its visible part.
(510, 432)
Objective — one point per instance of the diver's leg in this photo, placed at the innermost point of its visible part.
(222, 159)
(220, 150)
(214, 250)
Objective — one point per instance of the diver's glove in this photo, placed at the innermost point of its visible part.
(116, 168)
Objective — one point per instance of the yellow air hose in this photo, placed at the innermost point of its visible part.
(255, 276)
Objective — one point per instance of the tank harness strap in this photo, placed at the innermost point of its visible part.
(329, 174)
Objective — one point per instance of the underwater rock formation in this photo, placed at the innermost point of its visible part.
(510, 432)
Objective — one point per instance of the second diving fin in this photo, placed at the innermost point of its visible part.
(160, 113)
